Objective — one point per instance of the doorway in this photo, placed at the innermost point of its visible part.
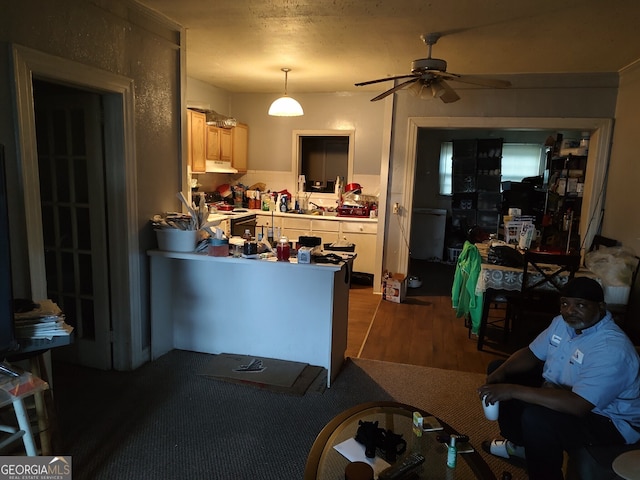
(601, 133)
(129, 335)
(74, 224)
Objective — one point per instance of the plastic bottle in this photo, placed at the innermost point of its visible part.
(284, 207)
(452, 453)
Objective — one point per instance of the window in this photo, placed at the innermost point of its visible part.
(321, 156)
(519, 160)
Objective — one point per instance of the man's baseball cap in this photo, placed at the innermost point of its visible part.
(585, 288)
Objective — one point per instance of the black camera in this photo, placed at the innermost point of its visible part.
(375, 438)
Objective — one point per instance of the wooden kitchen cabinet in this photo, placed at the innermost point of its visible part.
(363, 236)
(219, 145)
(196, 127)
(294, 228)
(240, 141)
(328, 230)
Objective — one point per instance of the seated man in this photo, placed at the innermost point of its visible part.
(576, 384)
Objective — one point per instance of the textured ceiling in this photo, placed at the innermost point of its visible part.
(240, 45)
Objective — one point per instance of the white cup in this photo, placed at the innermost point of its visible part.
(491, 410)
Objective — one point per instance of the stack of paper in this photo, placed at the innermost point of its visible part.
(46, 321)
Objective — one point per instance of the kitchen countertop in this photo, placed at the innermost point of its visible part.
(230, 259)
(247, 212)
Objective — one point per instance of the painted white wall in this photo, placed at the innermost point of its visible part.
(203, 95)
(622, 215)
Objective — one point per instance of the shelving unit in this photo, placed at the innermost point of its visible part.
(564, 200)
(477, 171)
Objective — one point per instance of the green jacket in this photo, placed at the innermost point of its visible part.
(463, 291)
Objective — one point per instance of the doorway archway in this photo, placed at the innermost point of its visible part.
(598, 160)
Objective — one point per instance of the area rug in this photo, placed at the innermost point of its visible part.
(261, 372)
(185, 422)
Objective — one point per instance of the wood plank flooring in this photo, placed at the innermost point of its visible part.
(423, 330)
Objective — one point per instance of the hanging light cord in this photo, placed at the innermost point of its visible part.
(286, 72)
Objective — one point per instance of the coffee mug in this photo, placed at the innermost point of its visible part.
(491, 410)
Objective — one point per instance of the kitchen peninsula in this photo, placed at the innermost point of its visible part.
(282, 310)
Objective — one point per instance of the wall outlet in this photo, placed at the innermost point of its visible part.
(396, 208)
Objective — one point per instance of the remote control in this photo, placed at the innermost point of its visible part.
(400, 469)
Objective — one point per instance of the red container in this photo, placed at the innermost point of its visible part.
(353, 187)
(349, 211)
(283, 250)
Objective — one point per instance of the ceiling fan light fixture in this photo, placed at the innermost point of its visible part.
(437, 90)
(286, 106)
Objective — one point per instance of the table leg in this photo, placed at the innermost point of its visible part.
(25, 426)
(486, 303)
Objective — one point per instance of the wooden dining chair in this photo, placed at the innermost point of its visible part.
(544, 275)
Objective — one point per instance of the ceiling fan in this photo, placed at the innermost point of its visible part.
(428, 75)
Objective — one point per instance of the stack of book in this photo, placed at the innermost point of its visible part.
(46, 321)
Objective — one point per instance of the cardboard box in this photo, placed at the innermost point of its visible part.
(394, 288)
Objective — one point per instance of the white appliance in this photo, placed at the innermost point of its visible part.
(427, 233)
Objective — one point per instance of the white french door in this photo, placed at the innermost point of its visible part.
(74, 224)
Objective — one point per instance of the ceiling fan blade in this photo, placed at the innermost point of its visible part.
(395, 89)
(473, 80)
(449, 95)
(397, 77)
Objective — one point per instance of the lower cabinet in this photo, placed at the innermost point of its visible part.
(362, 234)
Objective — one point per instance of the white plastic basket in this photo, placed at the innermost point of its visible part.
(453, 253)
(175, 240)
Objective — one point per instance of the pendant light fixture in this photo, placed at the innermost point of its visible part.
(285, 106)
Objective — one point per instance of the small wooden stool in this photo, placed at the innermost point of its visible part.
(13, 390)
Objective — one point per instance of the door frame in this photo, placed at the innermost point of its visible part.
(117, 91)
(597, 161)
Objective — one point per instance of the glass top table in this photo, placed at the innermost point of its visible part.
(326, 463)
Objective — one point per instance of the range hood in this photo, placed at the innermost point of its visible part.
(217, 166)
(217, 119)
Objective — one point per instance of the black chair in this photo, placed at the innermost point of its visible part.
(543, 278)
(498, 301)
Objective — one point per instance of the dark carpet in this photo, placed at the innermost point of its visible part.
(166, 421)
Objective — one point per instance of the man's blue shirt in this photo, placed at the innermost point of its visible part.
(600, 364)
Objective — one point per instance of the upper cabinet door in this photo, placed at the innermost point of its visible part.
(240, 147)
(213, 143)
(196, 124)
(226, 146)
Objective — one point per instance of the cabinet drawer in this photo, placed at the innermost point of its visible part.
(356, 227)
(325, 226)
(296, 223)
(265, 220)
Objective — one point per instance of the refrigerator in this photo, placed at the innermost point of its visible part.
(427, 233)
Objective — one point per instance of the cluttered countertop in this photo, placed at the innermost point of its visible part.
(238, 213)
